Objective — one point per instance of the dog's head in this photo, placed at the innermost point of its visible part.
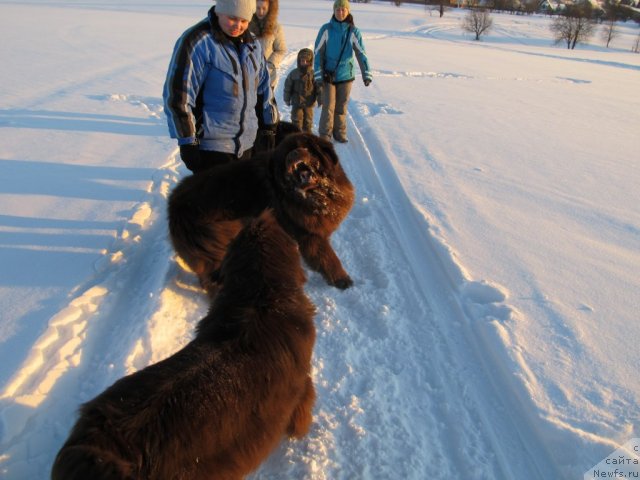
(307, 168)
(261, 256)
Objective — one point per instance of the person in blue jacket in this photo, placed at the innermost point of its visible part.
(336, 45)
(217, 96)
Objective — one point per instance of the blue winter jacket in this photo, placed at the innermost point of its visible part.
(214, 92)
(329, 43)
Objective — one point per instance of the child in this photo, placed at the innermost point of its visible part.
(300, 91)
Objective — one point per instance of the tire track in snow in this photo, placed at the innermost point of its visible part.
(399, 394)
(93, 341)
(467, 316)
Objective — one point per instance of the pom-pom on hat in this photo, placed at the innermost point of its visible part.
(237, 8)
(341, 4)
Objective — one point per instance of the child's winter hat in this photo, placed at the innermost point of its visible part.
(305, 54)
(341, 4)
(237, 8)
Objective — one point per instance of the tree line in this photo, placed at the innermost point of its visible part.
(572, 24)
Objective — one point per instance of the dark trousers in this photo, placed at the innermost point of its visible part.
(210, 159)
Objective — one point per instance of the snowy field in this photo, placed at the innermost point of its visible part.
(492, 332)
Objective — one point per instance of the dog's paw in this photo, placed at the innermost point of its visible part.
(343, 283)
(300, 426)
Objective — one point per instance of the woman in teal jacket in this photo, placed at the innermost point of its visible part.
(336, 45)
(217, 93)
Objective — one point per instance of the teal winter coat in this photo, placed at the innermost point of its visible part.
(335, 37)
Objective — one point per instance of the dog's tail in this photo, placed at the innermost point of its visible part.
(81, 462)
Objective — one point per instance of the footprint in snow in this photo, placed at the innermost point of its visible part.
(484, 300)
(373, 109)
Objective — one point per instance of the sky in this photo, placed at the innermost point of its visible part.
(492, 330)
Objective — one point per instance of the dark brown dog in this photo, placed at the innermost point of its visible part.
(216, 408)
(302, 180)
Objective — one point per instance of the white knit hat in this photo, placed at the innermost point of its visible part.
(237, 8)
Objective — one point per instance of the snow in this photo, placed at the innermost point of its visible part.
(495, 241)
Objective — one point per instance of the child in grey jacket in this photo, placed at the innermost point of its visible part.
(301, 92)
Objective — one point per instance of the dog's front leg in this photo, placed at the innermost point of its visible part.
(320, 256)
(302, 416)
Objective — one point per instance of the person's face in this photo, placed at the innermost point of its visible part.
(262, 8)
(305, 63)
(341, 13)
(232, 26)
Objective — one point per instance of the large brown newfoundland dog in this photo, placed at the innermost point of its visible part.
(216, 408)
(302, 180)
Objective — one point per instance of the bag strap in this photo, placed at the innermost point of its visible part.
(344, 45)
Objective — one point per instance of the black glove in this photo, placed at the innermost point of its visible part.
(266, 139)
(190, 155)
(367, 82)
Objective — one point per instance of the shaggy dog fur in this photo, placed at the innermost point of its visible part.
(302, 180)
(283, 130)
(216, 408)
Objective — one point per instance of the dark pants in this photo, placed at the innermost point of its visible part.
(210, 159)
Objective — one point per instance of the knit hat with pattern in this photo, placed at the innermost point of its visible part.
(237, 8)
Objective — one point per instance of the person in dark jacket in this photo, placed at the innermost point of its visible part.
(301, 92)
(336, 45)
(217, 96)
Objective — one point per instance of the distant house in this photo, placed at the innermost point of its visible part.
(550, 6)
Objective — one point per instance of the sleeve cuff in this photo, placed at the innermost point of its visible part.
(187, 141)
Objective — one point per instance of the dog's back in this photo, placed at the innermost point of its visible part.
(216, 408)
(205, 212)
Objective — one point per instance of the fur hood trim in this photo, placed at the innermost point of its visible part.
(266, 26)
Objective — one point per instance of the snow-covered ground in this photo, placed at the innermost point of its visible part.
(492, 331)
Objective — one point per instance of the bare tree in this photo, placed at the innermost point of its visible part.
(612, 12)
(433, 5)
(477, 21)
(574, 26)
(530, 6)
(609, 31)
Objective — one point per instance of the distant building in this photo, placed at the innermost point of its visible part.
(551, 6)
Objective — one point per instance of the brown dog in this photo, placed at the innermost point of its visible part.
(216, 408)
(302, 180)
